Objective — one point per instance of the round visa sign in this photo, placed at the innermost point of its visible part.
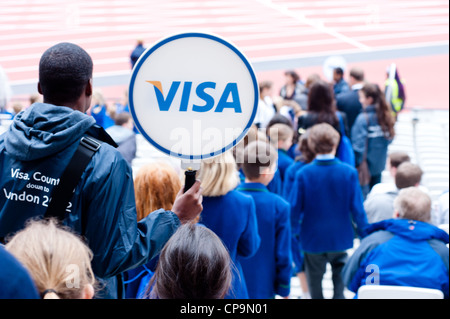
(193, 95)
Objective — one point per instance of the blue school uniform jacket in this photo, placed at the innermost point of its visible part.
(233, 218)
(296, 246)
(268, 272)
(289, 177)
(284, 161)
(400, 252)
(326, 199)
(35, 151)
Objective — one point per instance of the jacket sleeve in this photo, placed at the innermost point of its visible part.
(359, 136)
(249, 241)
(354, 270)
(296, 201)
(117, 240)
(283, 250)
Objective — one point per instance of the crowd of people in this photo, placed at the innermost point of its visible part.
(289, 199)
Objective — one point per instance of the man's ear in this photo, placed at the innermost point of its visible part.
(88, 90)
(39, 88)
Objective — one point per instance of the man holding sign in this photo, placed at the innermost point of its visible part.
(37, 150)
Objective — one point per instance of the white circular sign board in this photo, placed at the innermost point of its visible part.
(193, 95)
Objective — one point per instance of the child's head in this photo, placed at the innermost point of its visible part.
(265, 88)
(323, 139)
(408, 175)
(156, 185)
(58, 261)
(412, 203)
(218, 175)
(394, 161)
(281, 136)
(260, 160)
(253, 134)
(194, 264)
(124, 119)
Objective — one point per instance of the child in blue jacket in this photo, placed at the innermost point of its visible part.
(268, 272)
(306, 156)
(404, 251)
(281, 136)
(326, 199)
(230, 215)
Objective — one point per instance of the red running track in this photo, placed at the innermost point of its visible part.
(264, 30)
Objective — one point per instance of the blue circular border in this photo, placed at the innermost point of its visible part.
(149, 51)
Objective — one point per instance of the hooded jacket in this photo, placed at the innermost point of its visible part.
(400, 252)
(35, 151)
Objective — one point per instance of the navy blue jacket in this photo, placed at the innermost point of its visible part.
(326, 198)
(33, 154)
(377, 141)
(15, 281)
(400, 252)
(268, 272)
(233, 218)
(348, 102)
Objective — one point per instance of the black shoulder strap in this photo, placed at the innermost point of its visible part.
(63, 192)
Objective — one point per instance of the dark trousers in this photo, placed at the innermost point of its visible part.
(315, 267)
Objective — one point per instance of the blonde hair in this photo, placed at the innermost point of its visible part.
(218, 175)
(58, 260)
(156, 185)
(412, 203)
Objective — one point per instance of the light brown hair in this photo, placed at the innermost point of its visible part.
(156, 186)
(412, 203)
(258, 155)
(408, 174)
(57, 259)
(397, 158)
(280, 132)
(323, 138)
(357, 73)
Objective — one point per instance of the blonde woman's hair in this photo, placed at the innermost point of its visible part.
(58, 260)
(218, 175)
(156, 185)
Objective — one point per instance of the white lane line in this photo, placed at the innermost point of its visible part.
(314, 23)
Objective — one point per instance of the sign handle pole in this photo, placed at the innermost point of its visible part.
(191, 168)
(189, 178)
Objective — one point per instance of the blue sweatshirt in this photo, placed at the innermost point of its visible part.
(233, 218)
(400, 252)
(268, 272)
(326, 199)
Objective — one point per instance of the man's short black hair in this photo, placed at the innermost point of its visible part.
(64, 71)
(339, 71)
